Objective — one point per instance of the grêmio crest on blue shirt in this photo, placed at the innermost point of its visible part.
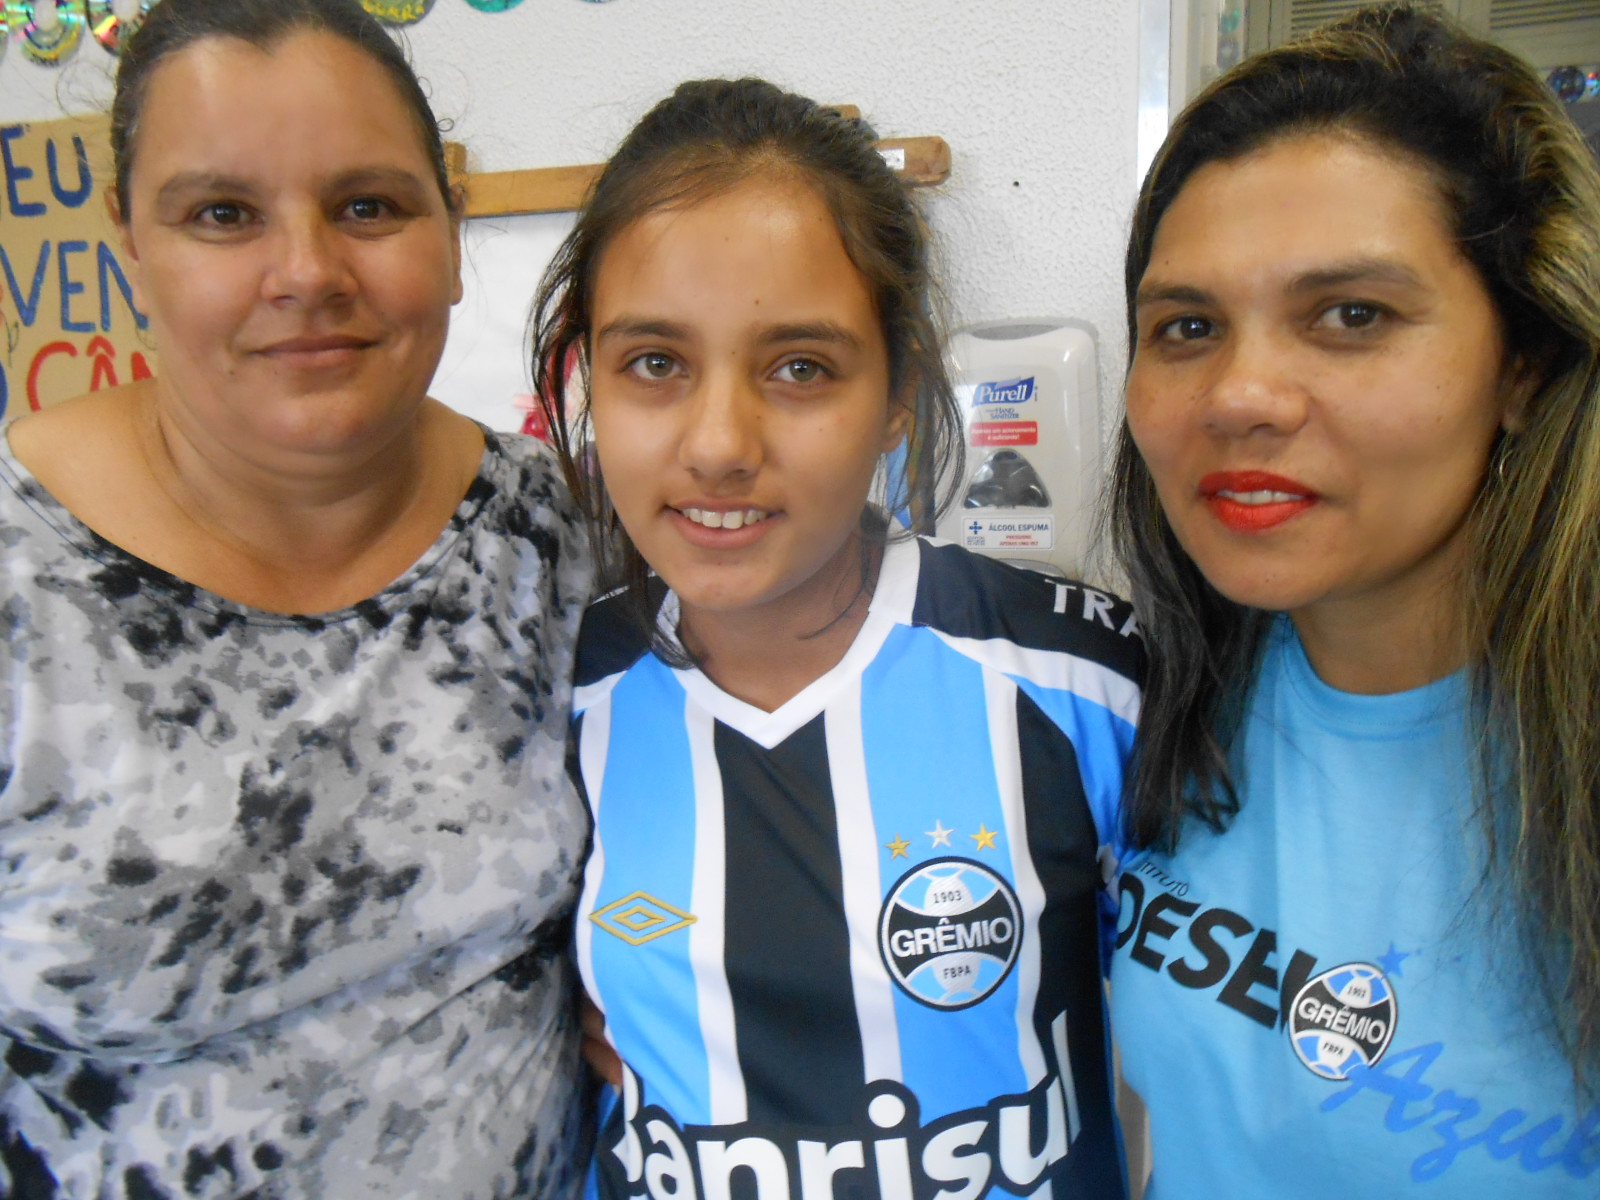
(1340, 1024)
(885, 1153)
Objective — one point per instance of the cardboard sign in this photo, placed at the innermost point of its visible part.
(70, 322)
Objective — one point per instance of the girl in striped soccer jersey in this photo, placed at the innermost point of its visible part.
(854, 791)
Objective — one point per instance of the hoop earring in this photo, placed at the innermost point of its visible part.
(1502, 460)
(47, 47)
(111, 30)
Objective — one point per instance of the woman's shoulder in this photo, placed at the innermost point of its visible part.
(520, 501)
(525, 470)
(78, 449)
(521, 490)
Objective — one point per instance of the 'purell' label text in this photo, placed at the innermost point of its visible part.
(1004, 391)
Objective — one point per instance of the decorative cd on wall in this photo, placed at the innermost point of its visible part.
(48, 44)
(49, 32)
(1568, 83)
(108, 28)
(398, 12)
(1578, 87)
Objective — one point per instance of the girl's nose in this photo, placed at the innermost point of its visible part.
(723, 427)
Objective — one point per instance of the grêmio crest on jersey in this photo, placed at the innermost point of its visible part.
(949, 932)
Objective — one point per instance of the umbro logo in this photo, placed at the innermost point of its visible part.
(639, 918)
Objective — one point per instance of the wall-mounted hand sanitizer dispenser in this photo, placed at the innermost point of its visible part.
(1030, 399)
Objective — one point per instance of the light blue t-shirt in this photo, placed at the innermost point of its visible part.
(1324, 1002)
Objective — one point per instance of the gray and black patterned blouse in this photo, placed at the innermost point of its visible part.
(282, 899)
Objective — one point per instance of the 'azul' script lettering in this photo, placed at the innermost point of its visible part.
(1455, 1119)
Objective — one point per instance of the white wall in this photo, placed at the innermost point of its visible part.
(1037, 99)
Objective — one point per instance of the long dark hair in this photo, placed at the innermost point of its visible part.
(706, 137)
(1524, 196)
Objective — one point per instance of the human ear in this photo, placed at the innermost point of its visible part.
(1520, 381)
(902, 415)
(458, 208)
(130, 252)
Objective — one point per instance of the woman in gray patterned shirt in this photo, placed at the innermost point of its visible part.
(286, 849)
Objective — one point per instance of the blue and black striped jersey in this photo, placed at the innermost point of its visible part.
(852, 948)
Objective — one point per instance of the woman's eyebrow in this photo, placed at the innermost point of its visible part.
(1361, 270)
(380, 177)
(186, 183)
(1174, 293)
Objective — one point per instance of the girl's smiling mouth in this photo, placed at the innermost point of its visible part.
(716, 518)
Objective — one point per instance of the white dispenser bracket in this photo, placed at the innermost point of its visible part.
(1029, 395)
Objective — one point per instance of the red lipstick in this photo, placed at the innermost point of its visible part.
(1254, 501)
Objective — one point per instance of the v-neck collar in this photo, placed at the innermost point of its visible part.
(893, 600)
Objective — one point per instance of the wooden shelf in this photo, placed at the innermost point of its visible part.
(921, 161)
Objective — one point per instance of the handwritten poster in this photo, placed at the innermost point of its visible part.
(67, 307)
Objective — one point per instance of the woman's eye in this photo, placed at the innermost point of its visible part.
(1353, 314)
(1184, 329)
(368, 208)
(221, 215)
(801, 370)
(653, 366)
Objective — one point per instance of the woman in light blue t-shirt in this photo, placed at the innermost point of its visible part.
(1358, 495)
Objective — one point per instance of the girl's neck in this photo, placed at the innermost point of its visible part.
(766, 660)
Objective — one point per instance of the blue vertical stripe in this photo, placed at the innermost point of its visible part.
(650, 848)
(922, 774)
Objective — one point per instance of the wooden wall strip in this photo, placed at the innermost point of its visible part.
(561, 189)
(535, 190)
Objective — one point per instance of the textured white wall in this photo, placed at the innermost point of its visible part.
(1036, 98)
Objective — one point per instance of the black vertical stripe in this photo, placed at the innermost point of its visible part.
(1064, 843)
(787, 946)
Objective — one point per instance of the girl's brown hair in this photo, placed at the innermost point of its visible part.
(706, 137)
